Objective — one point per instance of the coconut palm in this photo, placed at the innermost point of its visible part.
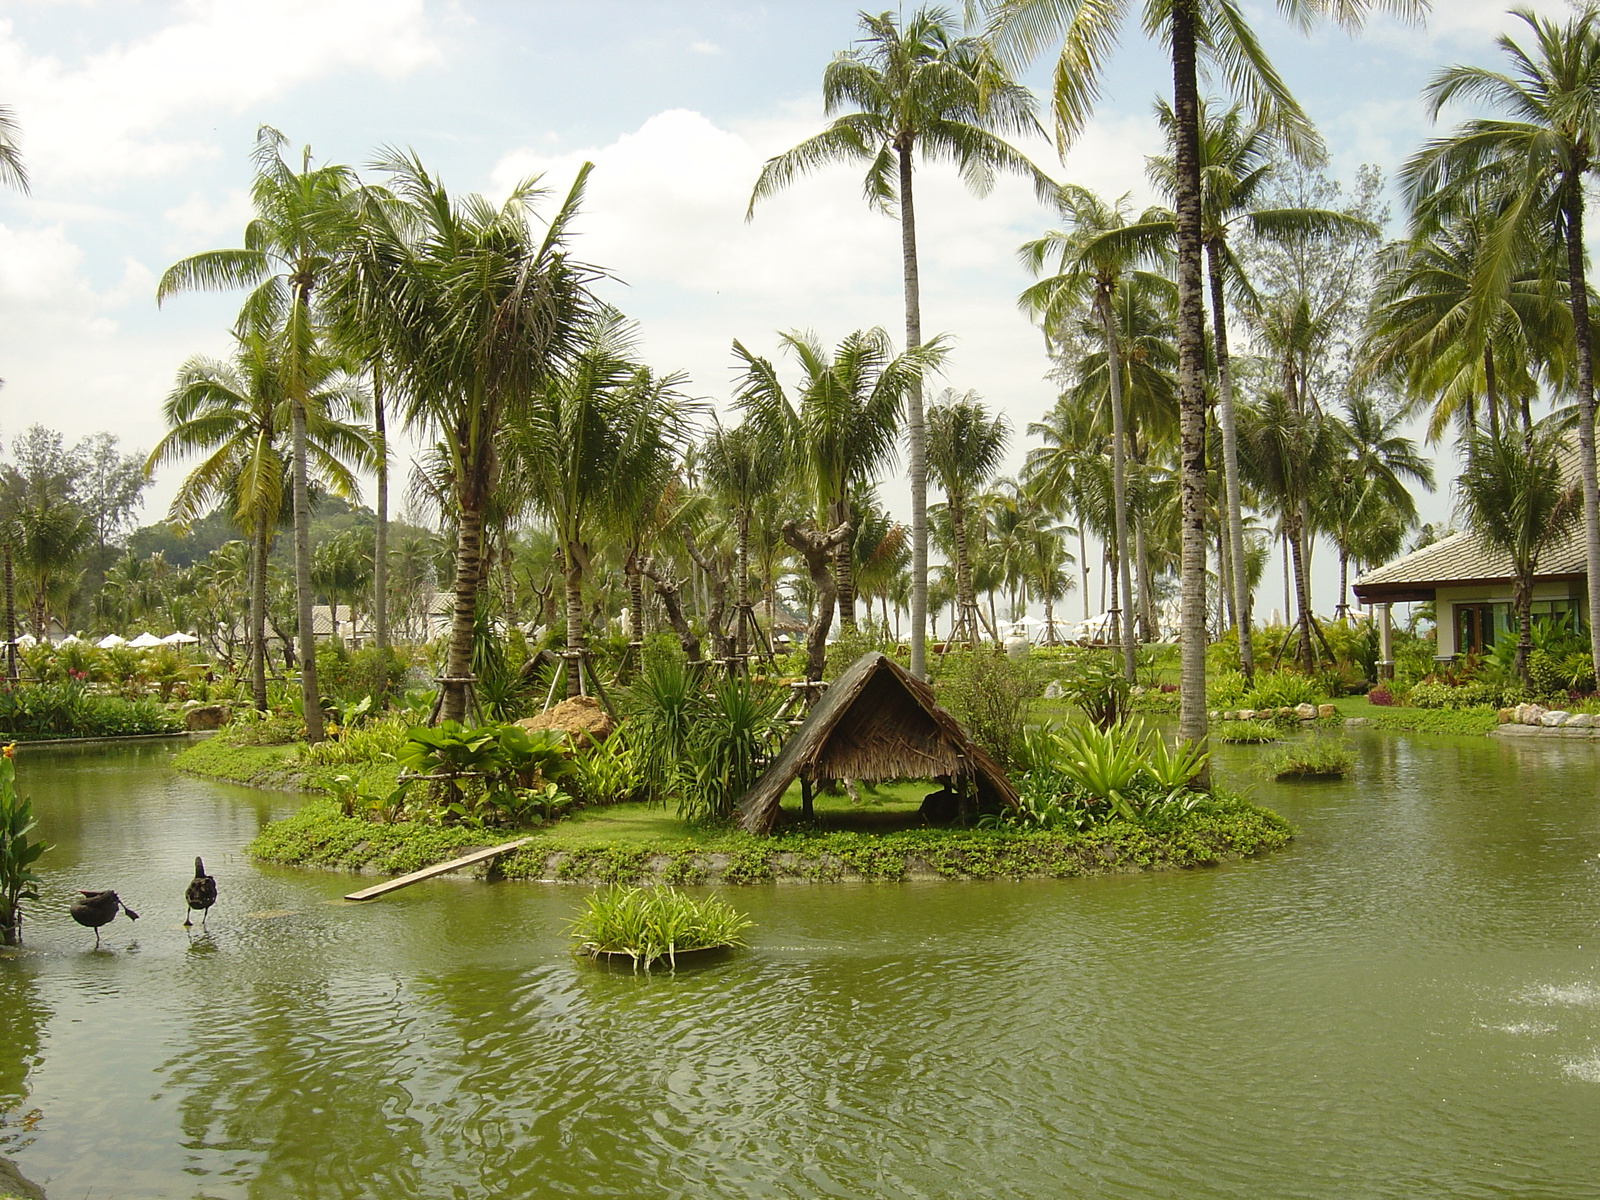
(966, 446)
(844, 424)
(739, 469)
(1194, 31)
(236, 416)
(474, 311)
(1071, 472)
(1237, 160)
(302, 218)
(1519, 501)
(1094, 260)
(916, 87)
(1537, 159)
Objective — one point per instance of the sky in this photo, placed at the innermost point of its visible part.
(138, 119)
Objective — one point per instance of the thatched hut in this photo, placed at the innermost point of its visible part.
(875, 723)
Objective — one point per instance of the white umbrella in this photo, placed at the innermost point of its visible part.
(110, 640)
(179, 639)
(27, 639)
(144, 641)
(69, 640)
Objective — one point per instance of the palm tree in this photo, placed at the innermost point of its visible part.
(740, 469)
(1094, 261)
(341, 569)
(236, 414)
(1212, 31)
(1071, 473)
(1518, 500)
(1537, 161)
(1236, 165)
(845, 424)
(599, 435)
(920, 87)
(1367, 492)
(965, 448)
(302, 218)
(473, 311)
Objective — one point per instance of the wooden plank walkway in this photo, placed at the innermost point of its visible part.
(455, 864)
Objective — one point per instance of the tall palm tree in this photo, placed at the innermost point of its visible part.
(474, 312)
(916, 87)
(236, 416)
(1095, 259)
(1538, 160)
(1070, 472)
(1194, 31)
(844, 424)
(966, 446)
(302, 218)
(1518, 500)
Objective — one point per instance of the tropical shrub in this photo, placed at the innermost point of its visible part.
(1095, 683)
(18, 853)
(607, 772)
(1227, 689)
(377, 740)
(988, 692)
(660, 706)
(1381, 696)
(652, 924)
(42, 711)
(1283, 689)
(1124, 771)
(736, 732)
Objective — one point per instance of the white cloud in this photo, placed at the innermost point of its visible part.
(705, 48)
(103, 116)
(200, 221)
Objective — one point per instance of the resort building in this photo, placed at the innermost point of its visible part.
(1470, 587)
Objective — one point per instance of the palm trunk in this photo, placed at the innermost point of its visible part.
(1122, 616)
(1229, 429)
(1302, 593)
(966, 602)
(306, 636)
(1491, 393)
(380, 533)
(577, 637)
(1050, 638)
(469, 569)
(843, 570)
(1191, 388)
(1342, 610)
(258, 615)
(1522, 601)
(1147, 603)
(817, 550)
(916, 434)
(1083, 565)
(741, 591)
(1577, 289)
(635, 597)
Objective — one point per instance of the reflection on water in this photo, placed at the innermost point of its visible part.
(1405, 1002)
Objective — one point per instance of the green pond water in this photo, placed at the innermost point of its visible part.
(1404, 1003)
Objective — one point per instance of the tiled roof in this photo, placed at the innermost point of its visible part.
(1463, 558)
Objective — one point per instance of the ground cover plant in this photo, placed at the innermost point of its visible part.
(44, 711)
(1247, 733)
(654, 924)
(1316, 757)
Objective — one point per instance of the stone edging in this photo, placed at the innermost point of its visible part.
(1579, 733)
(1536, 720)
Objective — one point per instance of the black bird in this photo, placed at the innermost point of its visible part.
(94, 909)
(201, 894)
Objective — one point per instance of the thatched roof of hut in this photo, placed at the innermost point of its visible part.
(874, 723)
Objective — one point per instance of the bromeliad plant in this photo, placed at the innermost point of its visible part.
(1123, 771)
(490, 773)
(18, 853)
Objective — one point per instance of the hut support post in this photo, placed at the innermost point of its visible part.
(1385, 643)
(806, 810)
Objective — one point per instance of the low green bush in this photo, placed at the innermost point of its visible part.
(1247, 733)
(1314, 758)
(988, 692)
(1465, 722)
(1283, 689)
(44, 711)
(652, 924)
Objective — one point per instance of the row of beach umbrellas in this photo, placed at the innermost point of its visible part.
(143, 641)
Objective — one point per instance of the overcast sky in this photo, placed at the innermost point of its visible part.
(138, 117)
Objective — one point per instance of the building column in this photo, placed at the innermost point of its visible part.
(1385, 643)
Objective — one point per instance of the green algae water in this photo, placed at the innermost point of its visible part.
(1403, 1003)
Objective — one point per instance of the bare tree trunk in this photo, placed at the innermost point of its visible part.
(380, 532)
(1228, 427)
(916, 432)
(11, 613)
(721, 643)
(577, 636)
(1122, 616)
(1192, 720)
(668, 589)
(816, 549)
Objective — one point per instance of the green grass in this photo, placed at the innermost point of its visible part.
(277, 768)
(1465, 722)
(635, 843)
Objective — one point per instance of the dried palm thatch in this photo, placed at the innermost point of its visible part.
(874, 723)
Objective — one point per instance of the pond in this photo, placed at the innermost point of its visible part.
(1405, 1002)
